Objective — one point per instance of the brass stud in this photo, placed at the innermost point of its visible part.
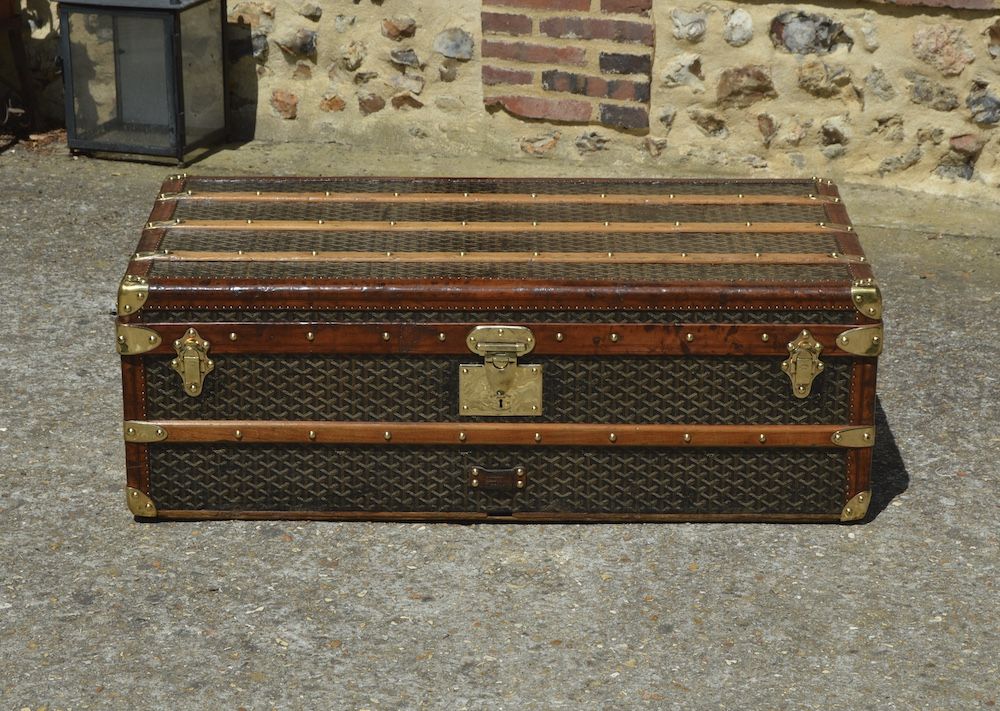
(615, 337)
(610, 254)
(822, 224)
(441, 336)
(464, 223)
(475, 482)
(394, 194)
(152, 339)
(689, 337)
(249, 222)
(310, 336)
(327, 193)
(392, 223)
(312, 434)
(862, 259)
(762, 439)
(749, 223)
(606, 223)
(321, 222)
(836, 437)
(233, 336)
(534, 223)
(238, 434)
(834, 255)
(687, 436)
(677, 223)
(121, 339)
(867, 436)
(159, 431)
(876, 339)
(314, 253)
(684, 254)
(534, 408)
(520, 471)
(475, 471)
(388, 254)
(844, 340)
(538, 436)
(462, 253)
(130, 431)
(560, 336)
(757, 255)
(465, 370)
(387, 435)
(613, 437)
(462, 437)
(534, 254)
(533, 195)
(603, 195)
(385, 335)
(765, 337)
(465, 194)
(520, 483)
(739, 195)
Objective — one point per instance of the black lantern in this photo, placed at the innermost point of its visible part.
(144, 77)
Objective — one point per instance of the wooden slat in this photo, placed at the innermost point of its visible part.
(551, 339)
(493, 198)
(428, 226)
(494, 433)
(483, 517)
(508, 257)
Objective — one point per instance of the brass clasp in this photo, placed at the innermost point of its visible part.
(192, 362)
(803, 364)
(500, 386)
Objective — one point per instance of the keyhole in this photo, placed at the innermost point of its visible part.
(500, 396)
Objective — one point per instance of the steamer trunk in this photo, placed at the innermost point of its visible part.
(499, 350)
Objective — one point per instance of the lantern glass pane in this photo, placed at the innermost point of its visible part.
(121, 82)
(201, 54)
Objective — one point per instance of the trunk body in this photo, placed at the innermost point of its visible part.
(498, 350)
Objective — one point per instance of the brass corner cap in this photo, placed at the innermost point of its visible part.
(139, 503)
(867, 298)
(133, 340)
(132, 294)
(854, 437)
(857, 508)
(862, 341)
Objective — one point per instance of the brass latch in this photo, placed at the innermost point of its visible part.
(192, 361)
(803, 364)
(500, 386)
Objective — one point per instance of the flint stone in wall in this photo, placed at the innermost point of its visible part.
(960, 161)
(807, 33)
(894, 164)
(413, 83)
(835, 130)
(869, 32)
(455, 43)
(984, 104)
(591, 142)
(397, 28)
(369, 103)
(342, 23)
(929, 93)
(738, 29)
(993, 40)
(879, 85)
(689, 25)
(768, 127)
(405, 57)
(743, 86)
(685, 70)
(353, 55)
(311, 11)
(822, 79)
(889, 127)
(297, 43)
(943, 48)
(710, 123)
(667, 117)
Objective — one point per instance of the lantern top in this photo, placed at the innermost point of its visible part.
(168, 5)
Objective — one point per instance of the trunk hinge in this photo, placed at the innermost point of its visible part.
(192, 362)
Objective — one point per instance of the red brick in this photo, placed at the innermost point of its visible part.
(543, 4)
(638, 7)
(506, 24)
(622, 89)
(551, 109)
(499, 75)
(587, 28)
(524, 52)
(627, 117)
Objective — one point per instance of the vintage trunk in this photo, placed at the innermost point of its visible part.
(499, 350)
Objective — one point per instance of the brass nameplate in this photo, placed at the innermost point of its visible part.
(497, 479)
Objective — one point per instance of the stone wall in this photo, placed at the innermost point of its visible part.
(904, 95)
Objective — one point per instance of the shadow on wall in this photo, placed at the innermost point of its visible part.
(241, 81)
(38, 83)
(889, 475)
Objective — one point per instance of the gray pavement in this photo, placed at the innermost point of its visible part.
(97, 611)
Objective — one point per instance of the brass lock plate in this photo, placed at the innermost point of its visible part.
(192, 362)
(803, 364)
(500, 386)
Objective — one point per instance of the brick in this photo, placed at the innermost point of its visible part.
(551, 109)
(589, 28)
(627, 117)
(542, 4)
(622, 89)
(506, 24)
(537, 53)
(638, 7)
(499, 75)
(615, 63)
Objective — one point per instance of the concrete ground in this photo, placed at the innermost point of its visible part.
(97, 611)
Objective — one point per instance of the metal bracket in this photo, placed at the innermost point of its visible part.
(174, 196)
(863, 341)
(162, 224)
(139, 503)
(192, 362)
(854, 437)
(803, 364)
(500, 387)
(857, 508)
(141, 432)
(147, 256)
(132, 294)
(133, 340)
(867, 298)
